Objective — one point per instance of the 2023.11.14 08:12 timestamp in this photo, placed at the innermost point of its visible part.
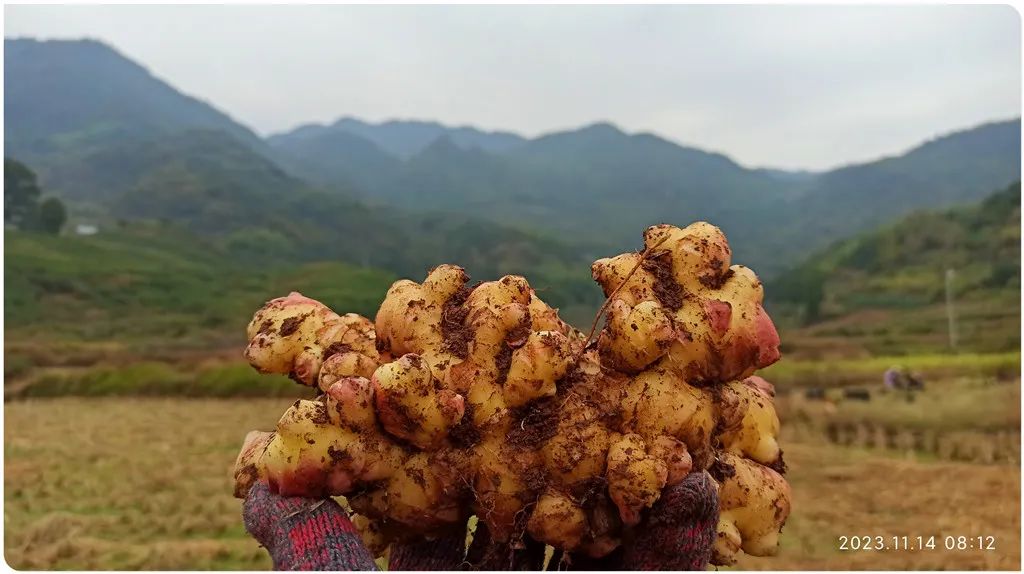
(893, 543)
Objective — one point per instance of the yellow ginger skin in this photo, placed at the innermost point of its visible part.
(754, 503)
(462, 400)
(749, 424)
(411, 405)
(687, 305)
(293, 336)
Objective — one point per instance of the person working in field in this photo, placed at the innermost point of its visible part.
(900, 378)
(893, 378)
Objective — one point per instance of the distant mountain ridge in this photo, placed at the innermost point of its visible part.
(333, 157)
(938, 164)
(543, 182)
(599, 185)
(59, 91)
(70, 103)
(404, 138)
(90, 121)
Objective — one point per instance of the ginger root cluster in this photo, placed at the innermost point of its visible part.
(463, 400)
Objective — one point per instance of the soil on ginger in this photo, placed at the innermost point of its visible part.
(119, 483)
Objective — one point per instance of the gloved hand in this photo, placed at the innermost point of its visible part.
(677, 533)
(302, 533)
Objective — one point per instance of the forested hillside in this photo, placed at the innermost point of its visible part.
(889, 285)
(66, 100)
(958, 168)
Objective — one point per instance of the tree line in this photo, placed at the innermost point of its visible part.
(24, 207)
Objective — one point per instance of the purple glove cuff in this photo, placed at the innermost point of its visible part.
(680, 529)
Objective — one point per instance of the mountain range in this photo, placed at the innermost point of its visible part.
(596, 186)
(119, 143)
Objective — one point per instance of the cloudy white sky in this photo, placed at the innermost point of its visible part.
(793, 87)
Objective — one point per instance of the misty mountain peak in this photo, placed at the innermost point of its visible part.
(84, 90)
(603, 128)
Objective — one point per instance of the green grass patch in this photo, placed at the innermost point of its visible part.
(240, 380)
(145, 293)
(797, 373)
(161, 379)
(17, 365)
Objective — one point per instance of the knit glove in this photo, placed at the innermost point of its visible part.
(302, 534)
(677, 533)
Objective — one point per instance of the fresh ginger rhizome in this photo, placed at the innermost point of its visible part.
(460, 401)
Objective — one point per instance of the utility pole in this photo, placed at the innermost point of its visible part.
(950, 310)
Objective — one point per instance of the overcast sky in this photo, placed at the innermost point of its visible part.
(793, 87)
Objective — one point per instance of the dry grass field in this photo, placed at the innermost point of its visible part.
(120, 483)
(841, 491)
(127, 483)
